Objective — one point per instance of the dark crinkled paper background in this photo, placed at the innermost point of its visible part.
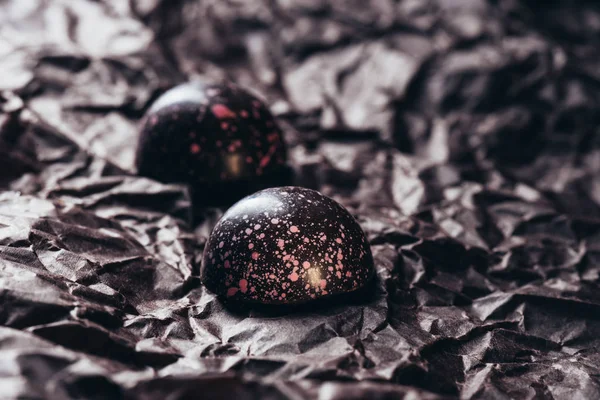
(463, 135)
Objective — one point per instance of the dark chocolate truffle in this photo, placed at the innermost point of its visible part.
(208, 135)
(286, 245)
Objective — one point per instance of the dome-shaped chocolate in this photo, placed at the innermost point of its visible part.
(286, 245)
(209, 135)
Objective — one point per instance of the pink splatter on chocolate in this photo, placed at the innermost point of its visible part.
(195, 148)
(199, 133)
(221, 111)
(299, 255)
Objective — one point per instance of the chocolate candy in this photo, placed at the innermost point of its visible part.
(210, 135)
(286, 245)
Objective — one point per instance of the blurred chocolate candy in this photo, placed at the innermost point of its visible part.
(216, 137)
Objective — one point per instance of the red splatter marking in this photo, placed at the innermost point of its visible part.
(293, 229)
(257, 226)
(339, 274)
(221, 244)
(195, 148)
(261, 236)
(280, 244)
(243, 285)
(232, 291)
(293, 277)
(255, 256)
(248, 231)
(264, 161)
(340, 256)
(295, 262)
(323, 238)
(222, 111)
(244, 114)
(251, 246)
(348, 274)
(224, 125)
(227, 264)
(306, 240)
(324, 291)
(307, 286)
(283, 295)
(286, 257)
(272, 137)
(306, 264)
(338, 240)
(274, 221)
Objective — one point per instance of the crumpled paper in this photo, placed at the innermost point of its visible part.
(464, 137)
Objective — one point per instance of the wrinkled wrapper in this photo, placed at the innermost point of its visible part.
(463, 135)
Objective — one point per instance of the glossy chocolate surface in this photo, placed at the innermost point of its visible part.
(286, 245)
(206, 134)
